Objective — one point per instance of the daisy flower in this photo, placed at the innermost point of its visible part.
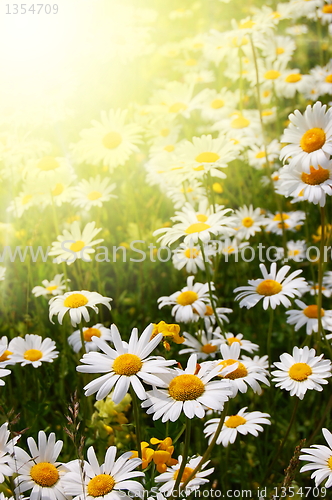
(240, 372)
(5, 352)
(210, 318)
(170, 476)
(49, 170)
(99, 330)
(93, 193)
(189, 256)
(301, 371)
(106, 481)
(75, 244)
(320, 457)
(124, 366)
(33, 350)
(313, 288)
(274, 288)
(248, 221)
(53, 287)
(189, 300)
(188, 390)
(40, 472)
(280, 221)
(110, 141)
(309, 137)
(244, 344)
(204, 345)
(257, 157)
(314, 187)
(242, 423)
(76, 303)
(296, 250)
(308, 315)
(7, 464)
(194, 226)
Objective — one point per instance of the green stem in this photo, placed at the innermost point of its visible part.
(137, 422)
(209, 449)
(269, 335)
(320, 276)
(82, 339)
(184, 459)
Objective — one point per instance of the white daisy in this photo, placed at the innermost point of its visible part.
(301, 371)
(106, 481)
(240, 372)
(99, 330)
(6, 352)
(274, 288)
(75, 244)
(320, 457)
(191, 299)
(204, 344)
(188, 390)
(308, 315)
(124, 366)
(170, 476)
(194, 226)
(76, 303)
(7, 464)
(314, 187)
(280, 221)
(33, 350)
(110, 141)
(243, 423)
(2, 273)
(53, 287)
(40, 472)
(189, 256)
(309, 137)
(94, 192)
(248, 221)
(210, 318)
(244, 344)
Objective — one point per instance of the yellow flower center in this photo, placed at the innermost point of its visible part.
(75, 300)
(260, 154)
(247, 24)
(272, 74)
(209, 311)
(267, 112)
(293, 78)
(94, 195)
(112, 140)
(77, 246)
(5, 356)
(217, 187)
(59, 188)
(247, 222)
(26, 199)
(169, 148)
(201, 217)
(312, 311)
(281, 217)
(208, 348)
(300, 371)
(329, 462)
(198, 227)
(186, 388)
(48, 163)
(312, 139)
(279, 51)
(316, 176)
(100, 485)
(191, 62)
(207, 157)
(327, 9)
(231, 340)
(127, 364)
(240, 372)
(33, 354)
(328, 79)
(217, 104)
(44, 474)
(191, 253)
(186, 473)
(268, 287)
(234, 421)
(187, 298)
(164, 132)
(91, 332)
(240, 122)
(51, 288)
(177, 107)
